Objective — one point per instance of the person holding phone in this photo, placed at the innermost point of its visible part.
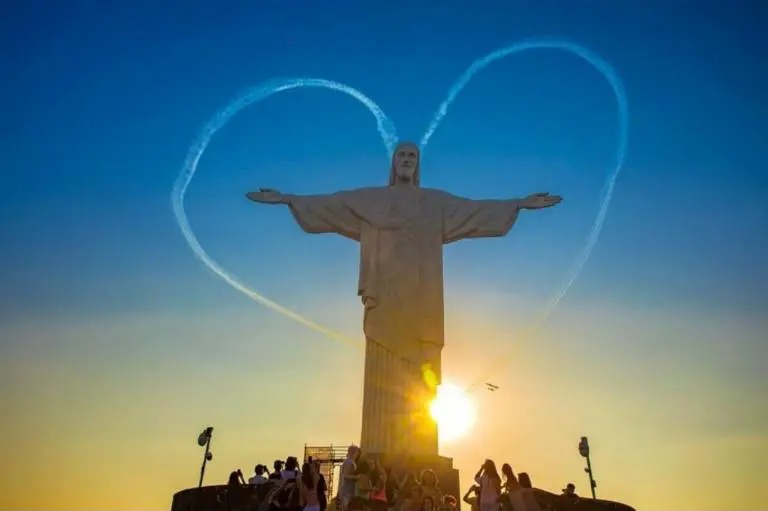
(490, 486)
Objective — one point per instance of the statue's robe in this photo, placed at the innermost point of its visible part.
(401, 230)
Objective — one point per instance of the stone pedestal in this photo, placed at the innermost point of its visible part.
(396, 400)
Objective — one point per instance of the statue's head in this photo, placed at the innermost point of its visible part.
(405, 164)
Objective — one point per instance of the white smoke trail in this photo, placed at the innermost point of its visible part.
(254, 95)
(623, 133)
(388, 134)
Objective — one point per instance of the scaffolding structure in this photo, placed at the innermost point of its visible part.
(329, 458)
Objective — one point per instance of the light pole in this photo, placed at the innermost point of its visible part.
(584, 451)
(204, 439)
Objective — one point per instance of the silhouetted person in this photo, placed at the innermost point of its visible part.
(258, 475)
(525, 495)
(510, 480)
(391, 487)
(236, 494)
(404, 493)
(510, 498)
(286, 495)
(291, 468)
(430, 485)
(570, 491)
(363, 483)
(236, 479)
(415, 499)
(308, 487)
(472, 497)
(347, 477)
(322, 485)
(277, 469)
(490, 486)
(377, 499)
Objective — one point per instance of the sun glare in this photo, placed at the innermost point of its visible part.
(453, 410)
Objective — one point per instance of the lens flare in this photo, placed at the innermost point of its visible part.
(454, 411)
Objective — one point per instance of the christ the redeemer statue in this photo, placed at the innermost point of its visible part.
(401, 229)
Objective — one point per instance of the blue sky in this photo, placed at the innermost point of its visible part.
(102, 101)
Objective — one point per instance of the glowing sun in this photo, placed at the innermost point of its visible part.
(453, 411)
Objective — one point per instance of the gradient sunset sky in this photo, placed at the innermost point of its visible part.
(117, 346)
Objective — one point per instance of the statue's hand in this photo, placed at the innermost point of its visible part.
(540, 200)
(267, 196)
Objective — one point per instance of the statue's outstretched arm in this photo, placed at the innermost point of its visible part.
(539, 201)
(268, 196)
(316, 214)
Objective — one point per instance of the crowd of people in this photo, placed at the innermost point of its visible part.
(366, 485)
(506, 491)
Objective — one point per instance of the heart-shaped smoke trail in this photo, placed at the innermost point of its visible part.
(389, 137)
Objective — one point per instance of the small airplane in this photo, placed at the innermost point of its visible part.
(491, 387)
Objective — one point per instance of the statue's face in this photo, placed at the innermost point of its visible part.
(406, 162)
